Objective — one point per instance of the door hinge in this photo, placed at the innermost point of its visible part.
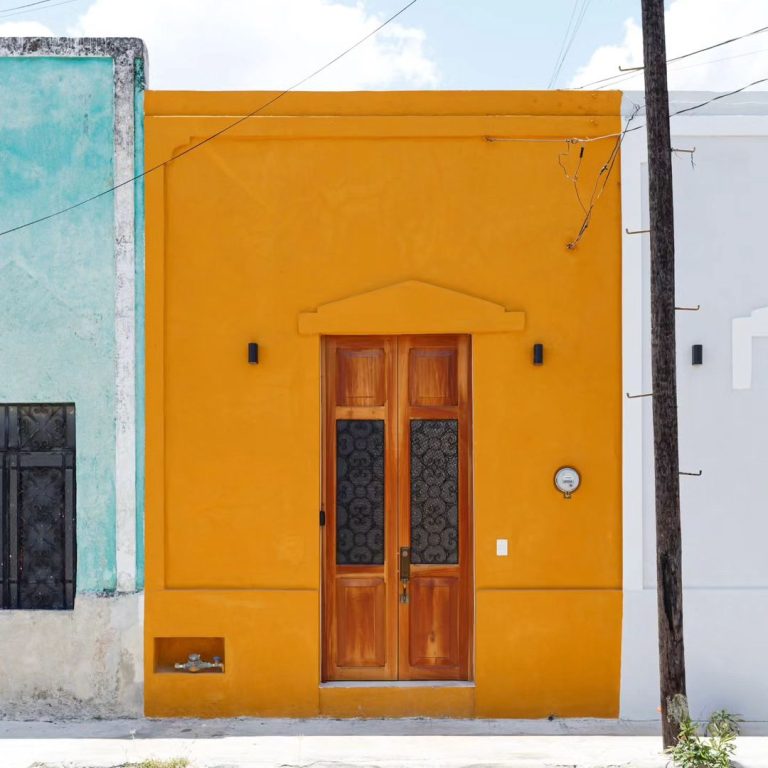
(322, 517)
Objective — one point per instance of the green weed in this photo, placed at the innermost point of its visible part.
(713, 748)
(174, 762)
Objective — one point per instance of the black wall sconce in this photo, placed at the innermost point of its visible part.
(538, 354)
(253, 353)
(697, 354)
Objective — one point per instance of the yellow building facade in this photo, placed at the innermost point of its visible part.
(395, 256)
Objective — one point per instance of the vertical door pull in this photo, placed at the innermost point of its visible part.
(405, 564)
(405, 573)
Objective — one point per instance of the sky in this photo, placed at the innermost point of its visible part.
(446, 44)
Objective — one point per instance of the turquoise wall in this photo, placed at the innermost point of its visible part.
(57, 279)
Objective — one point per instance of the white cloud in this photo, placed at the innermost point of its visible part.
(263, 44)
(24, 29)
(692, 24)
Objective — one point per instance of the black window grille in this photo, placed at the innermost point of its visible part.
(37, 504)
(434, 491)
(359, 492)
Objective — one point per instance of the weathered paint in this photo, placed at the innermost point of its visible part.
(138, 122)
(73, 664)
(256, 237)
(124, 198)
(57, 317)
(68, 333)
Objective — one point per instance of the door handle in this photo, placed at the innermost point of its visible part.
(405, 572)
(405, 563)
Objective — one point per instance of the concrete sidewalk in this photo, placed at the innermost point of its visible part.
(414, 743)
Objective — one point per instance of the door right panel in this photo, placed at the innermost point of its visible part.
(435, 623)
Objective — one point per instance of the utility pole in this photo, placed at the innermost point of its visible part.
(666, 460)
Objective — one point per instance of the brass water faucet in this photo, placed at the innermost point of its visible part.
(196, 664)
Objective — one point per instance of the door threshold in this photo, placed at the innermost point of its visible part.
(399, 684)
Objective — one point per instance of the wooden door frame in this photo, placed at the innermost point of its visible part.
(393, 521)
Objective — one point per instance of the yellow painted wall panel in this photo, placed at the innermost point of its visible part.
(381, 701)
(548, 652)
(328, 198)
(530, 420)
(271, 656)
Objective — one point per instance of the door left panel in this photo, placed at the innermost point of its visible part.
(360, 592)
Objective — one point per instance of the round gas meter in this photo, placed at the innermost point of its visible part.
(567, 480)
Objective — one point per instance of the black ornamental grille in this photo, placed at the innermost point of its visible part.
(359, 492)
(434, 491)
(37, 501)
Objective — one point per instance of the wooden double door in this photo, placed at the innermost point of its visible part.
(398, 534)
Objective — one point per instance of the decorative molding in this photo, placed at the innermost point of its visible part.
(412, 306)
(74, 47)
(743, 330)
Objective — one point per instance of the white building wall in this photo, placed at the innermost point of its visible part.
(721, 214)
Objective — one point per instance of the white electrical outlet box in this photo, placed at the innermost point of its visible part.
(502, 547)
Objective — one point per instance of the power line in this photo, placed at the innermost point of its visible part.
(573, 36)
(607, 168)
(7, 12)
(565, 47)
(564, 40)
(689, 66)
(622, 73)
(591, 139)
(215, 135)
(723, 58)
(709, 47)
(27, 5)
(721, 96)
(708, 101)
(568, 42)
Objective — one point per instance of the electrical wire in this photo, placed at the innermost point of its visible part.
(591, 139)
(688, 66)
(565, 47)
(717, 98)
(605, 175)
(722, 58)
(607, 168)
(215, 135)
(563, 42)
(27, 5)
(710, 47)
(573, 36)
(622, 73)
(5, 15)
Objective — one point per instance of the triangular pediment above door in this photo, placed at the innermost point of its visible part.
(411, 306)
